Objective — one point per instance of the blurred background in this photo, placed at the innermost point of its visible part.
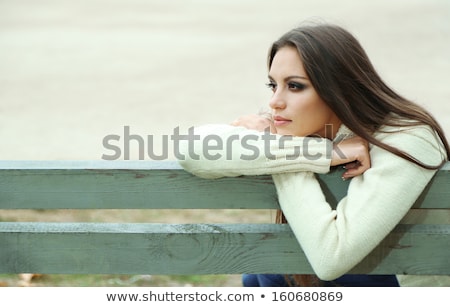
(73, 72)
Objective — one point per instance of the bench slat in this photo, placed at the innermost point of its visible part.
(70, 185)
(81, 248)
(419, 245)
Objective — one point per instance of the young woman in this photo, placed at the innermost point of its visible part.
(329, 107)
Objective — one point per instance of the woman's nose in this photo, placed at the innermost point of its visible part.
(277, 101)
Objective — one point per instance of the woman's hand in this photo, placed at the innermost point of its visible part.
(353, 154)
(255, 122)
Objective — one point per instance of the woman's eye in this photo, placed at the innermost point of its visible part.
(296, 86)
(272, 86)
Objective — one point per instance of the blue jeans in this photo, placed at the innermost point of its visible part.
(277, 280)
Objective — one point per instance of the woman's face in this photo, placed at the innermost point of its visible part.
(297, 109)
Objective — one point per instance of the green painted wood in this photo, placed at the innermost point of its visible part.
(156, 185)
(419, 245)
(200, 249)
(150, 186)
(427, 216)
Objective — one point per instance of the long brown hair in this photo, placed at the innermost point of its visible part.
(347, 82)
(343, 76)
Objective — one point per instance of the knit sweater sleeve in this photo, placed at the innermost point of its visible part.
(214, 151)
(334, 241)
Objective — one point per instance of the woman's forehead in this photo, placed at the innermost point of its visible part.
(287, 62)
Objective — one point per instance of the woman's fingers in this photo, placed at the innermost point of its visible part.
(353, 153)
(355, 169)
(254, 122)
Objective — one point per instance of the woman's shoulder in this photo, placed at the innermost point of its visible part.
(416, 139)
(403, 128)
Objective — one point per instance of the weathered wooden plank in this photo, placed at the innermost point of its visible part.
(201, 249)
(156, 185)
(427, 216)
(122, 188)
(141, 248)
(411, 250)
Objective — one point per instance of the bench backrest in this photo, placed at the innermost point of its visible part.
(420, 244)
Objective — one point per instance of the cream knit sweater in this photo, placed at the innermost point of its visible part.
(334, 241)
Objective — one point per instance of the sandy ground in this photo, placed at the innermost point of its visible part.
(73, 72)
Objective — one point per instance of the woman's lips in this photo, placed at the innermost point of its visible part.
(279, 121)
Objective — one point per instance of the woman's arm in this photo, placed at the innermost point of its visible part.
(226, 151)
(250, 147)
(336, 240)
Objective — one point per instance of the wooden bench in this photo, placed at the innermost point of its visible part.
(420, 244)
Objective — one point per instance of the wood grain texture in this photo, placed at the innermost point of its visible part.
(420, 244)
(200, 249)
(162, 185)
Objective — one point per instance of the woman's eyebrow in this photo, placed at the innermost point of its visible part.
(290, 77)
(295, 77)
